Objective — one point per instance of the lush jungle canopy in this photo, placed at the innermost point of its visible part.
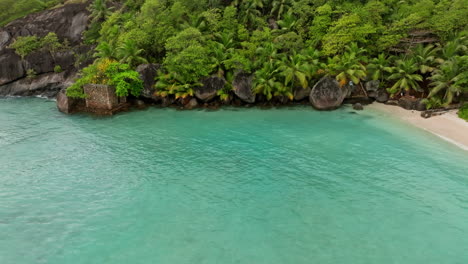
(416, 47)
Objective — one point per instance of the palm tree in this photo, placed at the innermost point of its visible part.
(266, 81)
(347, 68)
(249, 11)
(278, 7)
(406, 77)
(295, 71)
(288, 22)
(129, 53)
(425, 57)
(451, 77)
(105, 50)
(99, 10)
(379, 67)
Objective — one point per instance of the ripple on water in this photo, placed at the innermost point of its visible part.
(288, 185)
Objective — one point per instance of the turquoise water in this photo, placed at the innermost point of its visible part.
(288, 185)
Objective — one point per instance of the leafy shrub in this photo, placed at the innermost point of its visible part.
(58, 69)
(25, 45)
(108, 72)
(463, 112)
(31, 74)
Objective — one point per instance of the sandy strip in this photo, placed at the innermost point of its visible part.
(447, 126)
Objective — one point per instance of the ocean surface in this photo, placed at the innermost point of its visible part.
(289, 185)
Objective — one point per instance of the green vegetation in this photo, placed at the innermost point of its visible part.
(24, 46)
(289, 44)
(463, 113)
(108, 72)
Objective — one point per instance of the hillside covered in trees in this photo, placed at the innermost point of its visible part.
(412, 47)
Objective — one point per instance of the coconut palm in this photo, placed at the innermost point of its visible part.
(267, 81)
(105, 50)
(249, 10)
(404, 73)
(288, 22)
(425, 57)
(451, 77)
(379, 67)
(348, 68)
(129, 53)
(295, 70)
(279, 7)
(99, 10)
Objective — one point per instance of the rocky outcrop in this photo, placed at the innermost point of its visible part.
(68, 105)
(410, 103)
(47, 85)
(301, 93)
(192, 103)
(327, 94)
(68, 22)
(376, 92)
(210, 88)
(242, 85)
(148, 74)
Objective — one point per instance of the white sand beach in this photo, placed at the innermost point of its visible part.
(447, 126)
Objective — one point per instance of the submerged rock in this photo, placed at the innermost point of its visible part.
(210, 88)
(327, 94)
(358, 107)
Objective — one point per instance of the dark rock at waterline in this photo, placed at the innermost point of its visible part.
(407, 103)
(420, 105)
(167, 101)
(410, 103)
(327, 94)
(68, 22)
(358, 107)
(242, 85)
(358, 99)
(301, 93)
(148, 74)
(372, 86)
(193, 103)
(382, 96)
(68, 105)
(210, 88)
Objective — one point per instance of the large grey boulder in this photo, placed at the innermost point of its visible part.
(327, 94)
(210, 88)
(242, 85)
(148, 73)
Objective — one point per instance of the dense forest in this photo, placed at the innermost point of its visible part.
(413, 47)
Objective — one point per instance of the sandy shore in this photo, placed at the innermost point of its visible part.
(447, 126)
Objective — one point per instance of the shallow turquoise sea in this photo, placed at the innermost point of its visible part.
(289, 185)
